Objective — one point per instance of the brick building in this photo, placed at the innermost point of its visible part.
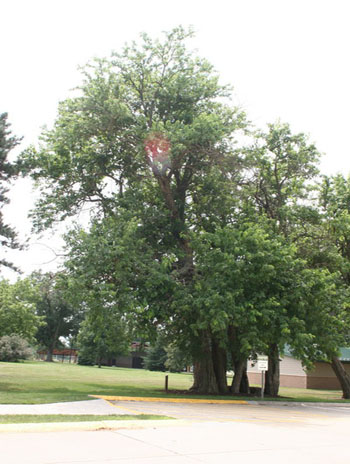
(292, 373)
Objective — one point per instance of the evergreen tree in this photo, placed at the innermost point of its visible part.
(7, 172)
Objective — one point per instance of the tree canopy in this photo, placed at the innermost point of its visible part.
(17, 309)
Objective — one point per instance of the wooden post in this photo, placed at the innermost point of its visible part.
(166, 383)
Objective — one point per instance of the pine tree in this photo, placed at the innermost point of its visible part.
(7, 171)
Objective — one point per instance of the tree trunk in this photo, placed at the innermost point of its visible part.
(244, 386)
(272, 375)
(204, 378)
(49, 354)
(240, 382)
(342, 376)
(220, 366)
(239, 367)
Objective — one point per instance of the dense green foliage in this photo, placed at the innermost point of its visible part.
(102, 337)
(59, 317)
(155, 359)
(17, 309)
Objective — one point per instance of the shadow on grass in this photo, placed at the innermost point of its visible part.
(126, 390)
(10, 387)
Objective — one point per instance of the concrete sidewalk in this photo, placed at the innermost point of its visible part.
(97, 406)
(90, 407)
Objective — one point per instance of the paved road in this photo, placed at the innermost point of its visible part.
(266, 412)
(196, 442)
(234, 433)
(271, 413)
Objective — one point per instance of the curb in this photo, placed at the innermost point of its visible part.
(297, 403)
(214, 401)
(168, 400)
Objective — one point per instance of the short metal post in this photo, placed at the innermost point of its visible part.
(166, 383)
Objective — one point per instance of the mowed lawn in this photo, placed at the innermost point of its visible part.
(40, 382)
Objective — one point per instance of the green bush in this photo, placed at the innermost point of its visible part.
(13, 348)
(87, 356)
(155, 359)
(177, 358)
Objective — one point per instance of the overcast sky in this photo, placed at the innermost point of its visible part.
(286, 59)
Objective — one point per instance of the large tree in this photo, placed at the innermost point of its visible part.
(7, 171)
(282, 173)
(60, 318)
(149, 145)
(332, 250)
(150, 132)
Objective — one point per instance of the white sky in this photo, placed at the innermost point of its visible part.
(286, 59)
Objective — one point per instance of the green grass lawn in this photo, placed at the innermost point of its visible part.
(40, 382)
(306, 394)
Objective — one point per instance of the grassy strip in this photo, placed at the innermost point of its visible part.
(46, 418)
(40, 382)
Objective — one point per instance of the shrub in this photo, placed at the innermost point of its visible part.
(14, 348)
(87, 356)
(177, 358)
(155, 358)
